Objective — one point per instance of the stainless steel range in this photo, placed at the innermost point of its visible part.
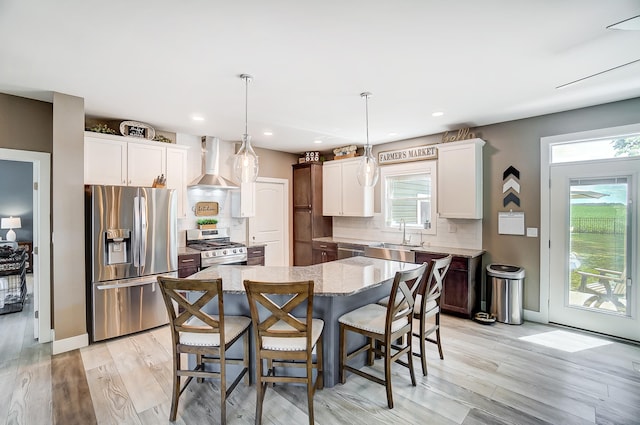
(215, 247)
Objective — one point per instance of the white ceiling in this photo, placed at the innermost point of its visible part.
(162, 62)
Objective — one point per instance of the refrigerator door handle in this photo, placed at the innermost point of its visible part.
(123, 285)
(143, 233)
(136, 231)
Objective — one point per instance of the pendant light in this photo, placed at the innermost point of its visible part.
(245, 164)
(368, 170)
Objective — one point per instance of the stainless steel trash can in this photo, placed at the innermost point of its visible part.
(505, 286)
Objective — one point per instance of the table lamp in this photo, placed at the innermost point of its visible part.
(11, 223)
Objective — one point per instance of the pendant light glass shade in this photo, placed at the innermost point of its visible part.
(245, 163)
(368, 170)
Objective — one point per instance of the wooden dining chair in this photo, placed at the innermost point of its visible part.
(387, 329)
(427, 305)
(206, 336)
(283, 340)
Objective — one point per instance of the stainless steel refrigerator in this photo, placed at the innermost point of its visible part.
(131, 239)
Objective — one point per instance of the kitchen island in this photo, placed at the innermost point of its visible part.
(339, 287)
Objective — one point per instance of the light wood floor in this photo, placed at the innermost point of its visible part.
(489, 376)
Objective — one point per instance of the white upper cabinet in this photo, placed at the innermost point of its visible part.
(243, 203)
(145, 163)
(126, 161)
(342, 195)
(105, 161)
(460, 179)
(177, 177)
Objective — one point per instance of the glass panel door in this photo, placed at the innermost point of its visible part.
(598, 239)
(594, 234)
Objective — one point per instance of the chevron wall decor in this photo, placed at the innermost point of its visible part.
(511, 186)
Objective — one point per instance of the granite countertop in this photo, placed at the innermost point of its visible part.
(458, 252)
(335, 278)
(183, 250)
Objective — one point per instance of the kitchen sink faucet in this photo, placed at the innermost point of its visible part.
(403, 225)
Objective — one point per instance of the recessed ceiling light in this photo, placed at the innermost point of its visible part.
(437, 114)
(198, 118)
(392, 134)
(268, 133)
(317, 141)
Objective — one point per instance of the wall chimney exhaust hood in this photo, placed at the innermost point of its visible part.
(210, 178)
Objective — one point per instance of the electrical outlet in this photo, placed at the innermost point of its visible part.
(452, 228)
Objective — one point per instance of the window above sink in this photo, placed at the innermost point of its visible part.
(408, 196)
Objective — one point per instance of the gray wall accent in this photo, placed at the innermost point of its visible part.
(517, 143)
(16, 196)
(25, 124)
(69, 301)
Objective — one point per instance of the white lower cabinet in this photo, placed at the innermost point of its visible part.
(342, 195)
(460, 179)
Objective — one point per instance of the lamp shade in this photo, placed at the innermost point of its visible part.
(11, 223)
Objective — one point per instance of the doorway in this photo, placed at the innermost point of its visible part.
(270, 226)
(589, 230)
(41, 258)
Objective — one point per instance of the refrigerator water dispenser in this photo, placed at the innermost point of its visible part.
(118, 245)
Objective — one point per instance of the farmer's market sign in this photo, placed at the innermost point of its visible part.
(418, 153)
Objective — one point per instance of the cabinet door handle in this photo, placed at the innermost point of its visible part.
(190, 260)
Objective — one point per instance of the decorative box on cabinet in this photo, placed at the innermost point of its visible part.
(324, 252)
(188, 264)
(308, 221)
(28, 250)
(255, 255)
(341, 193)
(460, 179)
(461, 287)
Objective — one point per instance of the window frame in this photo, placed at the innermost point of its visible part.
(403, 169)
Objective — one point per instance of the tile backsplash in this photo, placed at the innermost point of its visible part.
(237, 226)
(453, 233)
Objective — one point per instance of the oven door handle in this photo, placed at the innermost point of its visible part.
(229, 259)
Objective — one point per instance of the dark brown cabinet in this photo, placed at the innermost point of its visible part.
(324, 252)
(308, 221)
(188, 264)
(461, 289)
(255, 255)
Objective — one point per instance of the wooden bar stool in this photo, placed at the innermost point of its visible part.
(387, 329)
(206, 336)
(428, 305)
(282, 339)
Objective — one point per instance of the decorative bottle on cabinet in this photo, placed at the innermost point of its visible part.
(308, 221)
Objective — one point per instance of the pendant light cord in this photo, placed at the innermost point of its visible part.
(246, 105)
(366, 103)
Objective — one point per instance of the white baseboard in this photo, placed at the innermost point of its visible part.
(68, 344)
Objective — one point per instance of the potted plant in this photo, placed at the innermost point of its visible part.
(207, 223)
